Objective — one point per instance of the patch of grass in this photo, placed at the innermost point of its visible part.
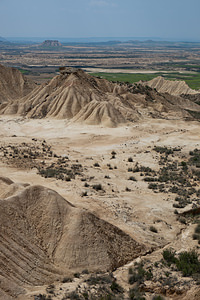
(193, 80)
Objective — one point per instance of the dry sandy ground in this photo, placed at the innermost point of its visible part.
(133, 211)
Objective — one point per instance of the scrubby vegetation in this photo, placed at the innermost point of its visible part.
(186, 262)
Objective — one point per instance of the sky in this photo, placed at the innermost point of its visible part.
(167, 19)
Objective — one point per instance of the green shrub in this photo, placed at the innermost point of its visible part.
(169, 256)
(116, 288)
(158, 298)
(188, 263)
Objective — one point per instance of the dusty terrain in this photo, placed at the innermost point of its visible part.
(99, 188)
(129, 205)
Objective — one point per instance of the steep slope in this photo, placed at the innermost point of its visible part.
(44, 237)
(175, 88)
(80, 97)
(13, 85)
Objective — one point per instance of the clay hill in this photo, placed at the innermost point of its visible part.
(77, 96)
(175, 88)
(13, 84)
(44, 237)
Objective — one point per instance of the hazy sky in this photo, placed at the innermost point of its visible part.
(100, 18)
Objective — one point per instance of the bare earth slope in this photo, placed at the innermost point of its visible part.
(13, 85)
(43, 236)
(175, 88)
(80, 97)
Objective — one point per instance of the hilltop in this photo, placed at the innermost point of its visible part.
(79, 97)
(51, 43)
(175, 87)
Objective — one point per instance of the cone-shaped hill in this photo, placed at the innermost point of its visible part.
(44, 237)
(80, 97)
(13, 85)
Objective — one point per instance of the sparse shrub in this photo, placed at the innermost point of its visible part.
(150, 179)
(73, 296)
(188, 263)
(153, 186)
(67, 279)
(97, 187)
(76, 275)
(164, 150)
(139, 274)
(158, 298)
(169, 256)
(132, 178)
(182, 220)
(135, 294)
(102, 279)
(197, 229)
(96, 164)
(153, 229)
(127, 189)
(130, 159)
(84, 194)
(116, 288)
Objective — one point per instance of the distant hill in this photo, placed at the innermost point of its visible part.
(2, 39)
(51, 43)
(176, 87)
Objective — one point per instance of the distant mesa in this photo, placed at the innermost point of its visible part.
(51, 43)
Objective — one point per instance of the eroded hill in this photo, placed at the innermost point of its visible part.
(13, 85)
(79, 97)
(176, 87)
(44, 237)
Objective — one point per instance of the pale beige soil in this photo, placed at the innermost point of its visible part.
(133, 212)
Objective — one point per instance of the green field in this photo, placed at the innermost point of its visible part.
(192, 79)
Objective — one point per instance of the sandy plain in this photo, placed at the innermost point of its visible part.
(128, 204)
